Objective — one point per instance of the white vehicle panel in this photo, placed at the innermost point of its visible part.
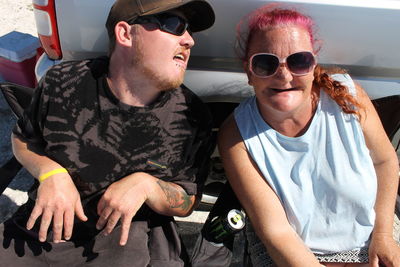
(359, 35)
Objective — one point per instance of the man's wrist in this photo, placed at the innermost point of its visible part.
(146, 181)
(49, 174)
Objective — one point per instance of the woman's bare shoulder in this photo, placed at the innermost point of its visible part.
(229, 135)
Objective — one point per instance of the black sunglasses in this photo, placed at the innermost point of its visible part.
(265, 64)
(166, 22)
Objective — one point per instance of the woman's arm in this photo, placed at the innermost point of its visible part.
(260, 202)
(387, 170)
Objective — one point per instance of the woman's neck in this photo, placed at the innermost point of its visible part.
(291, 124)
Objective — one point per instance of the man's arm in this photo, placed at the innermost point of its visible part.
(57, 197)
(124, 198)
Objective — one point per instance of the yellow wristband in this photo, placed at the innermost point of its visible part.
(50, 173)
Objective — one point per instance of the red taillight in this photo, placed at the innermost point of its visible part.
(46, 23)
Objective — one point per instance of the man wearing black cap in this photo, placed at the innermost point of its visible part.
(117, 145)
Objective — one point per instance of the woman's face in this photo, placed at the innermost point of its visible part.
(281, 91)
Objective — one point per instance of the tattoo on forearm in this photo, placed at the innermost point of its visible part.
(176, 198)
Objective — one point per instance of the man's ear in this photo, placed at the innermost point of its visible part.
(123, 35)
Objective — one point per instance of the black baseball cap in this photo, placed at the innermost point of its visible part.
(199, 13)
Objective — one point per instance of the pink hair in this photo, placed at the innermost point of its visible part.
(270, 16)
(274, 15)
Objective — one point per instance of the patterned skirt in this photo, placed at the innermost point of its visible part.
(260, 258)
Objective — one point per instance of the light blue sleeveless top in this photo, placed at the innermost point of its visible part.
(325, 178)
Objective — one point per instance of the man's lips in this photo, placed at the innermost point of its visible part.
(182, 58)
(179, 56)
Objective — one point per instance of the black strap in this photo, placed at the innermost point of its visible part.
(7, 173)
(388, 109)
(18, 98)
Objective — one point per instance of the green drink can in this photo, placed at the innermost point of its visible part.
(221, 227)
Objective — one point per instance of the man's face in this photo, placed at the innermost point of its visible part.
(160, 56)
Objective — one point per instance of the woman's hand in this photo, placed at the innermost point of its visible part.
(384, 250)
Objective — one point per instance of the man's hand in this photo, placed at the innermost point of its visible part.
(383, 250)
(57, 200)
(121, 201)
(124, 198)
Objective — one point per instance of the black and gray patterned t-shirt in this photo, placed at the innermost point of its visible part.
(84, 127)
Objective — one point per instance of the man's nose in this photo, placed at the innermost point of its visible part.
(187, 40)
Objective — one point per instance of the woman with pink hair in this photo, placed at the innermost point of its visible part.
(307, 156)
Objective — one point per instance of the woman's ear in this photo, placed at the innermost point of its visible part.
(247, 70)
(123, 34)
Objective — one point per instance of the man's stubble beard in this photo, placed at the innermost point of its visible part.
(161, 83)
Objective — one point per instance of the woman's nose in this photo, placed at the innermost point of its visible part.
(283, 72)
